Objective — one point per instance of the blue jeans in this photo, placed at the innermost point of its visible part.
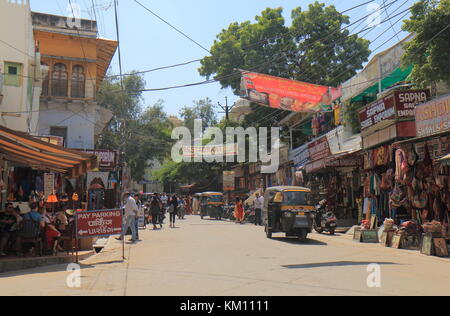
(130, 222)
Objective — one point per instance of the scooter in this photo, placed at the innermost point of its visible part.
(325, 221)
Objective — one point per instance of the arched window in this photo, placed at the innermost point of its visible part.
(59, 80)
(78, 82)
(45, 79)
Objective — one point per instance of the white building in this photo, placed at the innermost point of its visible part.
(20, 77)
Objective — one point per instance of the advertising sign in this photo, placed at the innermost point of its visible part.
(406, 102)
(300, 156)
(433, 117)
(381, 110)
(49, 184)
(229, 180)
(319, 149)
(210, 151)
(107, 159)
(102, 223)
(286, 94)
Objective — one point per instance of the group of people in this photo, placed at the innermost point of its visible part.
(158, 206)
(258, 204)
(49, 227)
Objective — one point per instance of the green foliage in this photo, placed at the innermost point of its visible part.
(142, 135)
(312, 49)
(428, 51)
(201, 110)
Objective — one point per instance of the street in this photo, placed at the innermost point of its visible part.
(212, 258)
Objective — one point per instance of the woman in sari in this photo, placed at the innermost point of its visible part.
(239, 213)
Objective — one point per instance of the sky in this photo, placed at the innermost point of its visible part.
(147, 42)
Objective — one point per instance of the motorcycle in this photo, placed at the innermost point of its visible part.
(325, 220)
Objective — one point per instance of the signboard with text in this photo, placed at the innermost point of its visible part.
(104, 223)
(397, 105)
(319, 149)
(49, 184)
(107, 159)
(229, 180)
(433, 117)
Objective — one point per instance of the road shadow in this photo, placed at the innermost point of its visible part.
(296, 241)
(335, 264)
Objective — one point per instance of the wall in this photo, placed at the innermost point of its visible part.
(78, 118)
(23, 101)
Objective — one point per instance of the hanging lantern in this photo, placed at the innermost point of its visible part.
(52, 199)
(75, 197)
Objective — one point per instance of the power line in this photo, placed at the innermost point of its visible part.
(173, 27)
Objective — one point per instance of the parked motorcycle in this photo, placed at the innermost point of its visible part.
(325, 220)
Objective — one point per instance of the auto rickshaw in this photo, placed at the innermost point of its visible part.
(288, 210)
(211, 205)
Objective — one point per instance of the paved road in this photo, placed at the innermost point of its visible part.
(224, 259)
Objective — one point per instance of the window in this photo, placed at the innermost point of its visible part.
(13, 72)
(59, 80)
(78, 82)
(45, 79)
(59, 131)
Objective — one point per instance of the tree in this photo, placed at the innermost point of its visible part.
(429, 51)
(201, 110)
(142, 135)
(313, 49)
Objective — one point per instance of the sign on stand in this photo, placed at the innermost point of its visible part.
(102, 223)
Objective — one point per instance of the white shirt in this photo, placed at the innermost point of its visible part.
(164, 198)
(131, 208)
(259, 203)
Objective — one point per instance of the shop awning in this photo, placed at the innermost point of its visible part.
(23, 149)
(399, 75)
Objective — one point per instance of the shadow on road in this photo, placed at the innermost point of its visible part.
(295, 241)
(334, 264)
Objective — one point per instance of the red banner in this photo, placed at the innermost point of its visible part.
(286, 94)
(99, 223)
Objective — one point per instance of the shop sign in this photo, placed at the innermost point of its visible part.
(381, 110)
(314, 166)
(406, 102)
(107, 159)
(397, 105)
(319, 149)
(54, 140)
(102, 223)
(49, 184)
(300, 156)
(433, 117)
(344, 162)
(229, 180)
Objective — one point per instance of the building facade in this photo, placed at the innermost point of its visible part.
(20, 74)
(74, 62)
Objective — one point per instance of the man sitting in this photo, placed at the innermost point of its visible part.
(7, 222)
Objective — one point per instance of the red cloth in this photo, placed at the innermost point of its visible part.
(51, 236)
(239, 211)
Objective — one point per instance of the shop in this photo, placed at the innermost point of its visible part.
(407, 188)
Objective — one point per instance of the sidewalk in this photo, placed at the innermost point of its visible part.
(9, 264)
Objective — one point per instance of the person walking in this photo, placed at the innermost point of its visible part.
(258, 206)
(173, 210)
(139, 206)
(155, 211)
(239, 212)
(131, 213)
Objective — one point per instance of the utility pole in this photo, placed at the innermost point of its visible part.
(226, 108)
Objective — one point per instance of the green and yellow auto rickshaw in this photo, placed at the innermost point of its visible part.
(212, 204)
(289, 210)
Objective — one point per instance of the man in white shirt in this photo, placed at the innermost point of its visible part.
(131, 214)
(258, 206)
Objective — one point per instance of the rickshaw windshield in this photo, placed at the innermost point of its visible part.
(296, 198)
(215, 198)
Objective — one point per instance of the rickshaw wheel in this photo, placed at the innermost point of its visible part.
(268, 233)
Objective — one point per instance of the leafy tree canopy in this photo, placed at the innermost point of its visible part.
(429, 51)
(313, 49)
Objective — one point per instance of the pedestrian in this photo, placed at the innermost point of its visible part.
(173, 210)
(239, 213)
(139, 206)
(258, 206)
(155, 211)
(131, 213)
